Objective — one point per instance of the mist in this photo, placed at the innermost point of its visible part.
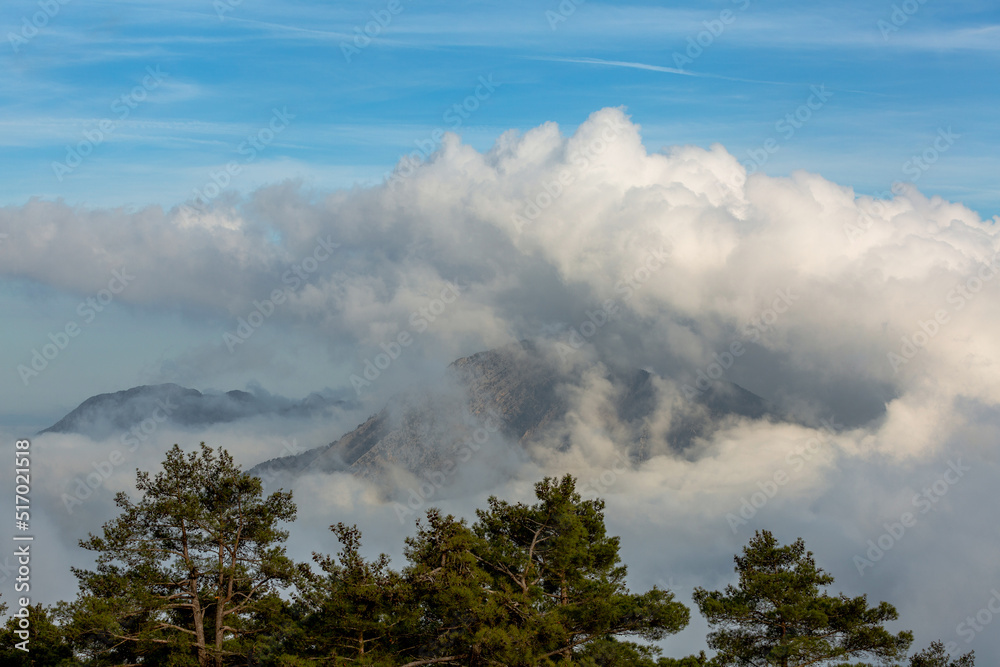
(867, 324)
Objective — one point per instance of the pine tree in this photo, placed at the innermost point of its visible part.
(188, 575)
(556, 560)
(530, 585)
(46, 647)
(358, 612)
(777, 615)
(462, 618)
(699, 660)
(935, 656)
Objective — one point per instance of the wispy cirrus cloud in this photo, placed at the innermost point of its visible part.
(658, 68)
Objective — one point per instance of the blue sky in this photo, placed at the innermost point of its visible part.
(892, 88)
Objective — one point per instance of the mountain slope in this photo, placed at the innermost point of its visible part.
(107, 415)
(519, 395)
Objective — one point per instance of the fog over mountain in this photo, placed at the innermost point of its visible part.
(145, 408)
(712, 351)
(513, 400)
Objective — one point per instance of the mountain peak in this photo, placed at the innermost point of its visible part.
(524, 395)
(107, 415)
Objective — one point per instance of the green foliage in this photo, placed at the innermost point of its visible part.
(555, 564)
(524, 586)
(188, 574)
(935, 656)
(357, 612)
(460, 612)
(699, 660)
(777, 615)
(609, 652)
(529, 585)
(47, 645)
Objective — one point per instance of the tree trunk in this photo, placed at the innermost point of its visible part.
(204, 659)
(221, 599)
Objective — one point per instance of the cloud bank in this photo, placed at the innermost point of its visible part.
(869, 323)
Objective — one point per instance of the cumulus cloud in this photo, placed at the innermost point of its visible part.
(869, 325)
(544, 227)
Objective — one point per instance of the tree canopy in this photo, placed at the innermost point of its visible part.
(194, 573)
(777, 613)
(189, 573)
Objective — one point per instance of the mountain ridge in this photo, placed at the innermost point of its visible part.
(523, 392)
(104, 415)
(516, 397)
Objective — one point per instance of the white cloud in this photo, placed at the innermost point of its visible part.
(543, 230)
